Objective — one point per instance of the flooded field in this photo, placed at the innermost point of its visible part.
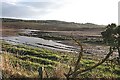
(57, 40)
(39, 42)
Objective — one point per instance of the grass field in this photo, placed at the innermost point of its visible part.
(24, 61)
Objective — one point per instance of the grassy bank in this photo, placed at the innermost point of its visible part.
(24, 61)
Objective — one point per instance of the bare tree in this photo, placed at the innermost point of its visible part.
(76, 71)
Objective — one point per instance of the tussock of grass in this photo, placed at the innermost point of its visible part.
(12, 70)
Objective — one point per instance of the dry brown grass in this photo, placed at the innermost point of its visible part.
(8, 31)
(10, 71)
(59, 71)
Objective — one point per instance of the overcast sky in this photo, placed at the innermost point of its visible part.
(81, 11)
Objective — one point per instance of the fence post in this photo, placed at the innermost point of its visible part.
(40, 70)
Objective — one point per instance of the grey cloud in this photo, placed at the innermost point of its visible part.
(38, 5)
(10, 10)
(28, 9)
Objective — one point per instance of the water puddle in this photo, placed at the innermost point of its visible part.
(38, 42)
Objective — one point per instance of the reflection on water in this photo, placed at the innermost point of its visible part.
(39, 42)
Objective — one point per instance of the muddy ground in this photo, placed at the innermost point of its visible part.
(87, 36)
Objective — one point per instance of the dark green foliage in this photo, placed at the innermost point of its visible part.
(111, 36)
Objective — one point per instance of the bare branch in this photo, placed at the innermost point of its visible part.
(96, 65)
(76, 68)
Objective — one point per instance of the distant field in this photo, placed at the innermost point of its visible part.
(10, 27)
(8, 31)
(48, 25)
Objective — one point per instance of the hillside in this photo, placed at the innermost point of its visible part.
(46, 24)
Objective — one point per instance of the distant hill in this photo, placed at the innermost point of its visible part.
(46, 24)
